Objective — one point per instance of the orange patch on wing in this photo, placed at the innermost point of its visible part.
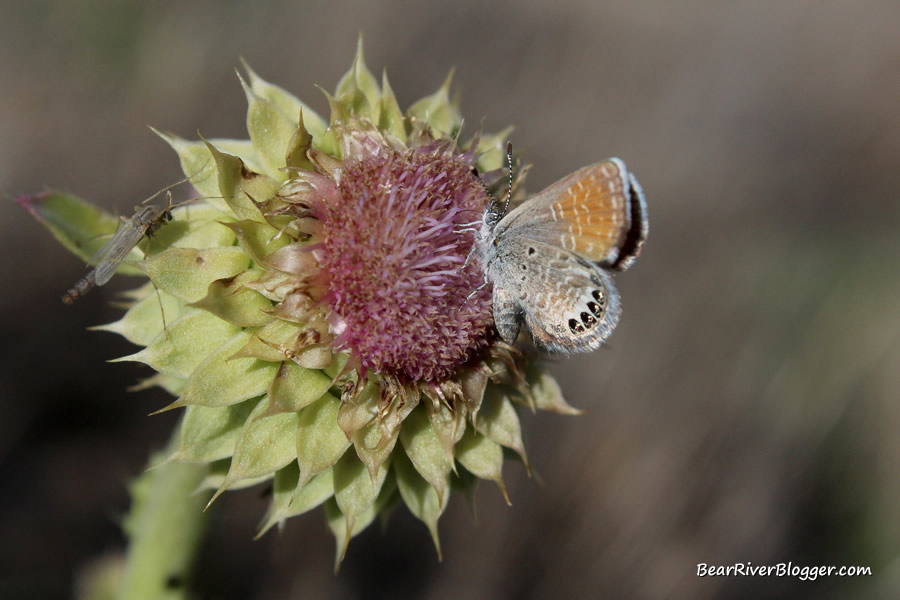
(593, 212)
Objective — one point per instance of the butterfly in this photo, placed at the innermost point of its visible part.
(550, 259)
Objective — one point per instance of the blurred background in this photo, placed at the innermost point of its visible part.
(747, 408)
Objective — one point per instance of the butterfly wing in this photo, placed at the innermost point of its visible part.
(597, 212)
(567, 303)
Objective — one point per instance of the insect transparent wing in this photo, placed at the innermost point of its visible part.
(127, 236)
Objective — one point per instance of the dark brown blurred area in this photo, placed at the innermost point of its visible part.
(747, 408)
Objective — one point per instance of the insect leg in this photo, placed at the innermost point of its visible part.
(162, 312)
(469, 257)
(476, 290)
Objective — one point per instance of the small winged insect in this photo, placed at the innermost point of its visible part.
(147, 219)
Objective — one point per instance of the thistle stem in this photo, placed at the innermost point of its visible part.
(165, 528)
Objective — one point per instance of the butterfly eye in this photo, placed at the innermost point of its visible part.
(575, 326)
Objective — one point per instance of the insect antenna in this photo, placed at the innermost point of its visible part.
(493, 215)
(510, 169)
(176, 184)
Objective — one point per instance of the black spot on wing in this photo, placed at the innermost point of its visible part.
(575, 326)
(588, 320)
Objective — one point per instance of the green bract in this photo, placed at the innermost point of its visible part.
(246, 349)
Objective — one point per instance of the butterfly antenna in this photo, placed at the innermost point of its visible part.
(510, 169)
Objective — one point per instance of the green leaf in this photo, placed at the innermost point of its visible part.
(173, 385)
(269, 343)
(320, 442)
(229, 300)
(190, 339)
(198, 163)
(266, 444)
(194, 225)
(438, 111)
(289, 500)
(391, 118)
(240, 186)
(143, 322)
(218, 476)
(210, 433)
(79, 226)
(358, 412)
(279, 332)
(311, 494)
(257, 348)
(374, 445)
(258, 240)
(375, 442)
(186, 273)
(354, 490)
(497, 419)
(285, 340)
(274, 286)
(270, 130)
(425, 450)
(546, 392)
(300, 143)
(286, 102)
(449, 425)
(420, 497)
(491, 151)
(338, 523)
(295, 259)
(221, 381)
(295, 387)
(358, 88)
(482, 457)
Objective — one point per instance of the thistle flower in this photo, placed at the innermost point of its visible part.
(317, 325)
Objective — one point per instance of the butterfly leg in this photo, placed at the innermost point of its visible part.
(465, 229)
(476, 290)
(472, 225)
(468, 258)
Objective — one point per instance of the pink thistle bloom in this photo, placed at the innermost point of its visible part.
(392, 256)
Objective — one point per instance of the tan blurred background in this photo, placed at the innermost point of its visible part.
(747, 409)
